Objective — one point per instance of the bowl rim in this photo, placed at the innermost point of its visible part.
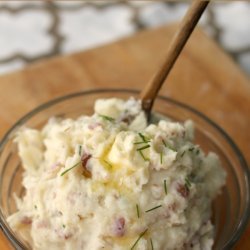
(243, 163)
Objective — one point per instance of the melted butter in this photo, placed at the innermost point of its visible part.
(111, 185)
(116, 174)
(109, 166)
(128, 241)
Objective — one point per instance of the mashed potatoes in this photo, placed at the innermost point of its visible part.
(110, 181)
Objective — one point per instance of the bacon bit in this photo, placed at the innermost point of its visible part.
(92, 126)
(84, 160)
(182, 190)
(43, 224)
(61, 234)
(55, 165)
(119, 229)
(170, 208)
(67, 236)
(173, 207)
(26, 220)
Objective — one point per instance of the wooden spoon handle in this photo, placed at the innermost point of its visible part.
(187, 25)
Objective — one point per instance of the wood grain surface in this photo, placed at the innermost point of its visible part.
(204, 77)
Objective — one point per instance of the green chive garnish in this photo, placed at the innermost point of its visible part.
(152, 246)
(165, 187)
(108, 118)
(188, 183)
(153, 208)
(167, 145)
(140, 142)
(35, 206)
(144, 138)
(80, 150)
(141, 235)
(109, 164)
(191, 149)
(183, 153)
(143, 156)
(67, 170)
(161, 157)
(142, 148)
(63, 226)
(137, 211)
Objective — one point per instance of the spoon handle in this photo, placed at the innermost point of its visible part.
(180, 38)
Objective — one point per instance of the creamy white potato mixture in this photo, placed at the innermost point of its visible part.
(110, 181)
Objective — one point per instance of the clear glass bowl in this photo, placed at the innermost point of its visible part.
(230, 209)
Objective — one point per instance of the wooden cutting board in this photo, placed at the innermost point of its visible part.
(204, 77)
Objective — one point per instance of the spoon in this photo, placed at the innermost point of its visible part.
(179, 40)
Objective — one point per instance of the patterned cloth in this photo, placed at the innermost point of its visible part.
(31, 30)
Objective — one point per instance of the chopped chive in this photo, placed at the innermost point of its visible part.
(152, 246)
(183, 153)
(188, 183)
(35, 206)
(137, 211)
(143, 156)
(153, 208)
(141, 142)
(108, 118)
(165, 187)
(167, 145)
(67, 170)
(161, 157)
(63, 226)
(142, 148)
(109, 164)
(80, 150)
(197, 151)
(140, 236)
(144, 138)
(191, 149)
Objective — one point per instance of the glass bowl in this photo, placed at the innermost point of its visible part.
(230, 209)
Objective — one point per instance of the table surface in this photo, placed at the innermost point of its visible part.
(204, 77)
